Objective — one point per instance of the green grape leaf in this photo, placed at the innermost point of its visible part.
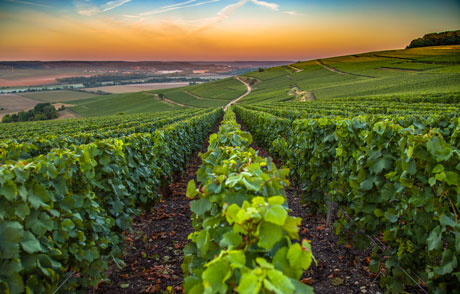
(249, 284)
(30, 244)
(200, 207)
(9, 190)
(215, 276)
(11, 235)
(269, 234)
(276, 214)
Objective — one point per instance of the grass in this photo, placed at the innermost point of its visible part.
(394, 72)
(214, 94)
(226, 89)
(268, 74)
(127, 103)
(58, 95)
(180, 96)
(436, 54)
(274, 89)
(375, 74)
(413, 83)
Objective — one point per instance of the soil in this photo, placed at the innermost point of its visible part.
(36, 80)
(155, 248)
(137, 87)
(12, 103)
(66, 114)
(340, 268)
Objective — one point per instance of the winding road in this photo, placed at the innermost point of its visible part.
(242, 96)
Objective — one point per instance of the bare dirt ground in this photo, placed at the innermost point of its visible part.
(119, 89)
(296, 69)
(34, 81)
(14, 103)
(65, 114)
(59, 105)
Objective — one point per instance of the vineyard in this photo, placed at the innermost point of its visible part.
(120, 203)
(392, 171)
(69, 193)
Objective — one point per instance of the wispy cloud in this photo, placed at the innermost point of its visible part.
(182, 5)
(223, 14)
(228, 10)
(272, 6)
(87, 9)
(29, 3)
(113, 4)
(179, 4)
(291, 12)
(206, 23)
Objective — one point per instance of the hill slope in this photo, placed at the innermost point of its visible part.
(427, 70)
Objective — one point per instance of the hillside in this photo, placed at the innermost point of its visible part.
(373, 168)
(416, 71)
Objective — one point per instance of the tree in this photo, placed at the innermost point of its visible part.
(435, 39)
(7, 118)
(25, 116)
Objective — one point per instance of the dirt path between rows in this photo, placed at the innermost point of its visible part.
(296, 69)
(155, 246)
(242, 96)
(165, 100)
(340, 269)
(201, 98)
(330, 68)
(333, 69)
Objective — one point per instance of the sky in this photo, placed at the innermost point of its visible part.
(192, 30)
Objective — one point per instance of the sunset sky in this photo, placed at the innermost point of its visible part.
(214, 29)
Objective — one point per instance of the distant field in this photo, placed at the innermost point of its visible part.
(127, 103)
(180, 96)
(384, 73)
(58, 95)
(413, 71)
(225, 89)
(15, 103)
(31, 77)
(137, 87)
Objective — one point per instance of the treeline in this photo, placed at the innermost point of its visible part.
(98, 80)
(41, 111)
(435, 39)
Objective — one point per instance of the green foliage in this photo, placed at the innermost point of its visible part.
(58, 95)
(395, 175)
(128, 103)
(7, 118)
(41, 111)
(226, 89)
(63, 212)
(242, 238)
(435, 39)
(32, 139)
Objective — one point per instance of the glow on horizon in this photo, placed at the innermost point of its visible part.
(214, 29)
